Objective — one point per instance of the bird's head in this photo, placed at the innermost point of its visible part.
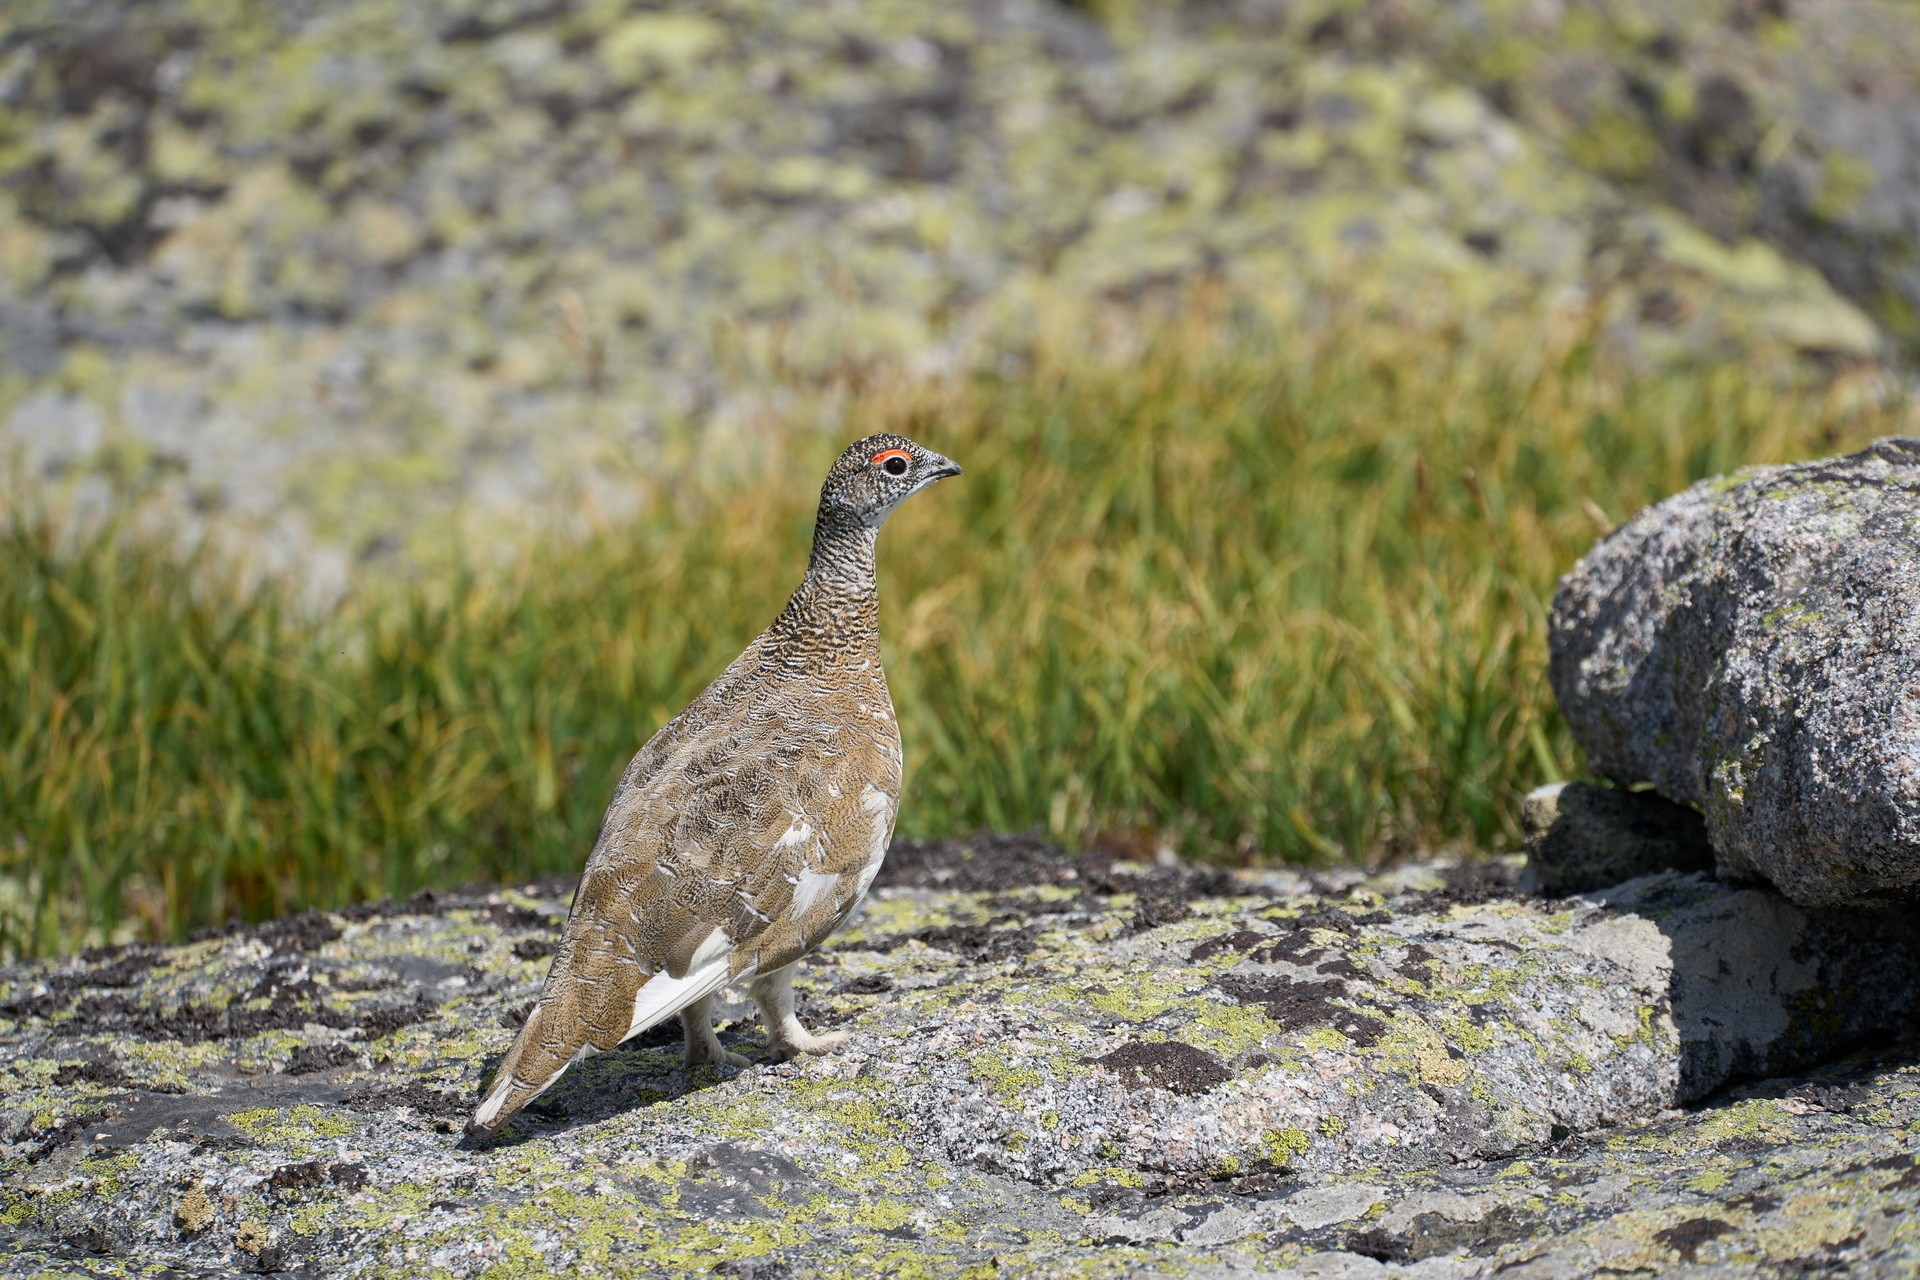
(874, 476)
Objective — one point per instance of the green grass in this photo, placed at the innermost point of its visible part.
(1272, 595)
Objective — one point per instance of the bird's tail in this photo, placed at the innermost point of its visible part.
(574, 1018)
(544, 1051)
(590, 1003)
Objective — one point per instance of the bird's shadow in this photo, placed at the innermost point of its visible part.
(644, 1072)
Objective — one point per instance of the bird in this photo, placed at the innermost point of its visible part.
(748, 827)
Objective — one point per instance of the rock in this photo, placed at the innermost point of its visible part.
(1752, 647)
(52, 433)
(1325, 1076)
(1582, 837)
(1796, 124)
(406, 247)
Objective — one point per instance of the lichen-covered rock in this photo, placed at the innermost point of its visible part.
(1056, 1068)
(323, 277)
(1796, 122)
(1752, 647)
(1581, 837)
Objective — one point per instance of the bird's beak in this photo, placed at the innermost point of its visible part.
(942, 468)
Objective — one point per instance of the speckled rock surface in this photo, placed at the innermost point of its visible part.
(1793, 120)
(1752, 647)
(1057, 1068)
(325, 277)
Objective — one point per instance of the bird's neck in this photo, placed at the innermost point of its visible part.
(835, 612)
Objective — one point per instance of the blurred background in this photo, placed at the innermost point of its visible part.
(406, 406)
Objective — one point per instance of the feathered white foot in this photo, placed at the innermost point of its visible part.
(794, 1041)
(786, 1038)
(703, 1046)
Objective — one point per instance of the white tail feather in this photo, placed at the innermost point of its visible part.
(490, 1109)
(663, 995)
(659, 998)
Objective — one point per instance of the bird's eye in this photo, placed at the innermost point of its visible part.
(894, 461)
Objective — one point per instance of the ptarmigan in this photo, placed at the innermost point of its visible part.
(750, 825)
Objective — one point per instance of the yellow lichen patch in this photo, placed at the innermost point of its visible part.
(1230, 1030)
(884, 914)
(107, 1172)
(1414, 1048)
(19, 1207)
(1655, 1030)
(34, 1071)
(1753, 1118)
(1708, 1181)
(607, 1228)
(393, 1203)
(1010, 1079)
(1325, 1040)
(1284, 1146)
(1195, 928)
(852, 1119)
(165, 1063)
(885, 1257)
(297, 1130)
(1814, 1221)
(883, 1215)
(1558, 923)
(1466, 1033)
(1140, 997)
(1476, 983)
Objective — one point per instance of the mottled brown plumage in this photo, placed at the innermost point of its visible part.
(750, 825)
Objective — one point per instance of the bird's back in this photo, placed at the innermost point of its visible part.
(779, 773)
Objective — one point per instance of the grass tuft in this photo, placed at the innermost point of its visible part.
(1248, 592)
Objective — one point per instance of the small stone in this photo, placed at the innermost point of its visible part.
(1581, 837)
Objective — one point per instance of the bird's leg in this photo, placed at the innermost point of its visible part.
(786, 1038)
(703, 1047)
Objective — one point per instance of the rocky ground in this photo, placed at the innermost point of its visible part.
(1058, 1067)
(329, 276)
(329, 272)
